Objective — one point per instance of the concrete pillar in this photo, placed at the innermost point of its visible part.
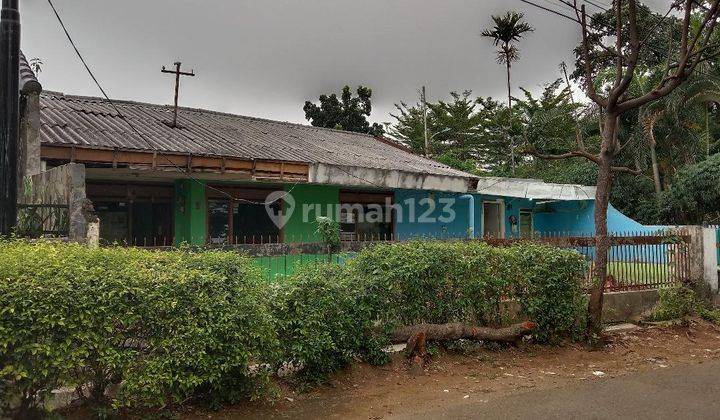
(703, 257)
(76, 198)
(28, 148)
(93, 234)
(190, 212)
(710, 260)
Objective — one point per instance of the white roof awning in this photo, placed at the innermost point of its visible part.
(534, 189)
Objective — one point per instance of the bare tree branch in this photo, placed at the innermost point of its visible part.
(687, 61)
(587, 63)
(624, 80)
(626, 170)
(574, 153)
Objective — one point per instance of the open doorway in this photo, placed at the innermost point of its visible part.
(492, 219)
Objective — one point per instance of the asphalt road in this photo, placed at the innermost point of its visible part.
(684, 392)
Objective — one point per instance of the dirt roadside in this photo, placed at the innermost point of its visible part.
(480, 376)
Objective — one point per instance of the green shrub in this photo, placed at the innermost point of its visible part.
(158, 328)
(322, 320)
(440, 282)
(547, 285)
(674, 303)
(429, 281)
(167, 324)
(681, 303)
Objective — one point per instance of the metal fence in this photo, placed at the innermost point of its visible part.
(43, 220)
(636, 260)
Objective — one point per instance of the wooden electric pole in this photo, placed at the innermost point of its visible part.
(177, 74)
(423, 98)
(9, 113)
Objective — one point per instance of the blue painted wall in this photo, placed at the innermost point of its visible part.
(570, 217)
(560, 217)
(412, 205)
(578, 218)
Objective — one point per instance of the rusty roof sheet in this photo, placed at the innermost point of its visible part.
(28, 82)
(92, 122)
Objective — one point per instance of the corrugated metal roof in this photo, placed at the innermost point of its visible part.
(28, 81)
(534, 189)
(92, 122)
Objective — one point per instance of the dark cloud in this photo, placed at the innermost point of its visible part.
(266, 57)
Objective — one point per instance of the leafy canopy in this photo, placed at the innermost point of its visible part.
(348, 112)
(507, 29)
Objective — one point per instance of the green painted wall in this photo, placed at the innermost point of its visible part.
(311, 201)
(190, 212)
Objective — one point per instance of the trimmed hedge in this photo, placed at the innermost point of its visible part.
(167, 324)
(322, 320)
(440, 282)
(154, 329)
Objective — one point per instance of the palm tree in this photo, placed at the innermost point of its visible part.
(36, 64)
(508, 30)
(680, 123)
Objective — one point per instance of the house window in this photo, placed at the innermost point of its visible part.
(218, 221)
(366, 216)
(251, 223)
(141, 223)
(133, 214)
(244, 220)
(526, 224)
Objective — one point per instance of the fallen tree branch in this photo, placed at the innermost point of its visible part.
(416, 335)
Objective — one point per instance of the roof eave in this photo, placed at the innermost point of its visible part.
(321, 173)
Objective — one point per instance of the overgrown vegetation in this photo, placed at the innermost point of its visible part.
(681, 303)
(156, 329)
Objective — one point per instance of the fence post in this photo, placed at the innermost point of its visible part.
(703, 257)
(710, 259)
(93, 234)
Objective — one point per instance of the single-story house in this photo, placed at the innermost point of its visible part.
(219, 178)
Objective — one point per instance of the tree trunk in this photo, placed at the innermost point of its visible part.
(653, 155)
(655, 169)
(509, 92)
(602, 242)
(707, 130)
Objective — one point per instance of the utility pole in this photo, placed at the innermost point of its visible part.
(423, 99)
(10, 113)
(177, 74)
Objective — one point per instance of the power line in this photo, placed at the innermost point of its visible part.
(593, 3)
(154, 148)
(548, 9)
(140, 134)
(562, 4)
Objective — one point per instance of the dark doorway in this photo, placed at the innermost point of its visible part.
(133, 214)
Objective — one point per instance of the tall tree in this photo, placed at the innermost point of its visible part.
(697, 43)
(409, 127)
(347, 112)
(465, 132)
(505, 33)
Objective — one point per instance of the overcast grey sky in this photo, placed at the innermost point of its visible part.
(264, 58)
